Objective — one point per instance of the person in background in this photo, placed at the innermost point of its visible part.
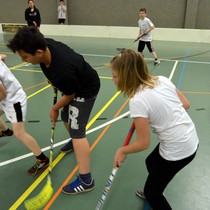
(62, 10)
(13, 103)
(145, 34)
(79, 83)
(32, 15)
(157, 104)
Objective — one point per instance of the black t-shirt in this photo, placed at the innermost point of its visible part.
(69, 72)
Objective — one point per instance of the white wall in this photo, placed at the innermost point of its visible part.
(165, 34)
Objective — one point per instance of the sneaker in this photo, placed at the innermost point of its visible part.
(8, 133)
(78, 186)
(38, 166)
(156, 62)
(68, 147)
(140, 193)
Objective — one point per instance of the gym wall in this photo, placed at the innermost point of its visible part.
(191, 14)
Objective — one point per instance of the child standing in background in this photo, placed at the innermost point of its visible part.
(145, 28)
(32, 15)
(62, 9)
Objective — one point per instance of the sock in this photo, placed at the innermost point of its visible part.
(86, 178)
(6, 131)
(156, 59)
(41, 156)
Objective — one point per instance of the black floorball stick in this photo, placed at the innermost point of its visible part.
(121, 49)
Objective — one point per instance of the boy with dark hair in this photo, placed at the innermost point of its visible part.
(79, 83)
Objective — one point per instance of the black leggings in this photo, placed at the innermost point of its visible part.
(161, 172)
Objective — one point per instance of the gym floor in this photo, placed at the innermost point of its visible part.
(186, 64)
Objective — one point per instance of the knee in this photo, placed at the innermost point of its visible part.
(19, 134)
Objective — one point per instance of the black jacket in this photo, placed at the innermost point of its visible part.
(32, 16)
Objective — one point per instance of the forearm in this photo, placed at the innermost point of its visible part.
(183, 99)
(134, 147)
(64, 100)
(150, 29)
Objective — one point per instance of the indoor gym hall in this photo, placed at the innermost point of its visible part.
(186, 64)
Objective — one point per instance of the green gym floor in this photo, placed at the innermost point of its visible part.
(186, 64)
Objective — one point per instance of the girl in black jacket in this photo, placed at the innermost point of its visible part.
(32, 15)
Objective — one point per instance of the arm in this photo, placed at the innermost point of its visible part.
(151, 28)
(27, 17)
(141, 143)
(63, 8)
(139, 33)
(3, 93)
(64, 100)
(183, 99)
(38, 19)
(3, 57)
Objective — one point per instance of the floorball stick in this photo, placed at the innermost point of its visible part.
(121, 49)
(40, 200)
(113, 173)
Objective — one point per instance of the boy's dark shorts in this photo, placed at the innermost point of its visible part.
(76, 114)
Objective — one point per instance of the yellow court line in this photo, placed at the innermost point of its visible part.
(60, 156)
(191, 92)
(102, 77)
(28, 70)
(7, 53)
(18, 65)
(33, 94)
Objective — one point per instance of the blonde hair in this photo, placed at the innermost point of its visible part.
(132, 72)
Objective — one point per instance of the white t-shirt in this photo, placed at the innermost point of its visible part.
(61, 13)
(13, 88)
(144, 25)
(168, 119)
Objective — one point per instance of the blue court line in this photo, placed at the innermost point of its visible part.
(147, 206)
(183, 68)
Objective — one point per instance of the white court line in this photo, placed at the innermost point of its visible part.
(161, 59)
(88, 132)
(173, 70)
(64, 141)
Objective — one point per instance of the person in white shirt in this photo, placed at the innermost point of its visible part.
(4, 129)
(13, 103)
(145, 34)
(157, 104)
(62, 10)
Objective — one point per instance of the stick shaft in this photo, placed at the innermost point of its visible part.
(113, 173)
(55, 96)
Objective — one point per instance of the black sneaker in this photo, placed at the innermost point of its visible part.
(38, 166)
(68, 147)
(9, 132)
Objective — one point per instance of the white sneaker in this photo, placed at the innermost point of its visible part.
(140, 193)
(156, 62)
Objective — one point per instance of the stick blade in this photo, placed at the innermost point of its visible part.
(40, 200)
